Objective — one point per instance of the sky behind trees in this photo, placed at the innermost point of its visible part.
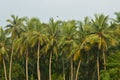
(65, 9)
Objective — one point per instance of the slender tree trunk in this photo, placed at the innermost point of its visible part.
(76, 77)
(5, 73)
(27, 65)
(50, 65)
(71, 63)
(98, 71)
(38, 58)
(104, 58)
(10, 67)
(63, 68)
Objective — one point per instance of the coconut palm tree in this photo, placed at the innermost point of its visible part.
(22, 46)
(100, 25)
(14, 26)
(68, 31)
(97, 36)
(100, 35)
(13, 29)
(4, 48)
(38, 38)
(83, 29)
(53, 34)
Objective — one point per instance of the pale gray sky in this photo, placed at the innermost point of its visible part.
(65, 9)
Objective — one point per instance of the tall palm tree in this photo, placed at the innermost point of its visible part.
(83, 29)
(52, 33)
(68, 31)
(13, 29)
(22, 46)
(38, 38)
(4, 48)
(101, 35)
(96, 33)
(97, 36)
(100, 25)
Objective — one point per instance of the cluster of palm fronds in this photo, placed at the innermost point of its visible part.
(60, 50)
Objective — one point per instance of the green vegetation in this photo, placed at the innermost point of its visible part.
(60, 50)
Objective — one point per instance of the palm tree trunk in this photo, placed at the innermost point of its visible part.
(5, 73)
(104, 60)
(38, 67)
(76, 77)
(27, 65)
(63, 68)
(98, 71)
(10, 67)
(71, 63)
(50, 65)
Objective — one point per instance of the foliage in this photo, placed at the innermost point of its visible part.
(61, 50)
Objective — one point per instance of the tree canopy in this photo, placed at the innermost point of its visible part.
(60, 50)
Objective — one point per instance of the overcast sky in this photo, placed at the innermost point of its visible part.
(65, 9)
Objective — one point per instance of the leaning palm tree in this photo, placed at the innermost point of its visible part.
(4, 47)
(13, 29)
(83, 29)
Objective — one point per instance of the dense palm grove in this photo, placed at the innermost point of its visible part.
(60, 50)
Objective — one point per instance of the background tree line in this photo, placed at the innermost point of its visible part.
(60, 50)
